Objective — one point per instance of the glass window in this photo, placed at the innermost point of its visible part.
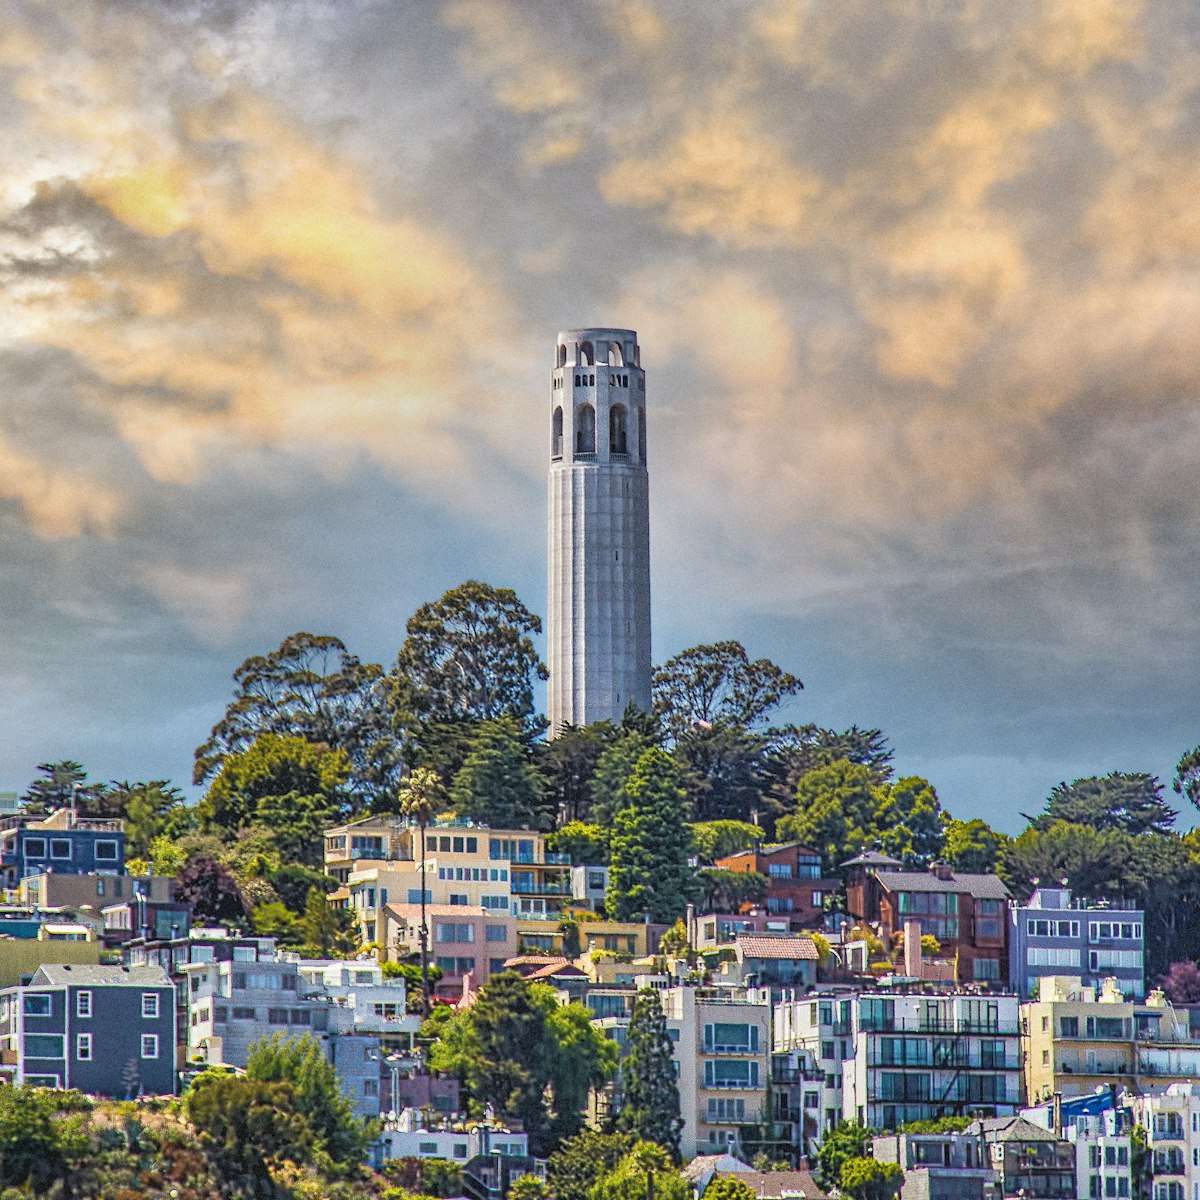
(83, 1004)
(106, 851)
(83, 1047)
(497, 933)
(35, 847)
(37, 1005)
(150, 1005)
(43, 1045)
(60, 848)
(149, 1045)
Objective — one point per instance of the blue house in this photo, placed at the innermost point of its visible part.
(107, 1031)
(63, 842)
(1053, 934)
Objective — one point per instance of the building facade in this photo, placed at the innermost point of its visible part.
(598, 606)
(1171, 1118)
(796, 887)
(1053, 934)
(967, 913)
(922, 1056)
(106, 1031)
(63, 843)
(1078, 1039)
(939, 1166)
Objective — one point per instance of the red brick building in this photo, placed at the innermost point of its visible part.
(796, 888)
(966, 913)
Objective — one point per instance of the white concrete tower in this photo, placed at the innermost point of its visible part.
(598, 613)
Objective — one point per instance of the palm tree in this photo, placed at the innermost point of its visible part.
(420, 797)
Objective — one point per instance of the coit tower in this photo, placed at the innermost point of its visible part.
(598, 613)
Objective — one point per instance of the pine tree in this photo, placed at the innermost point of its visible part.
(650, 1100)
(498, 784)
(649, 873)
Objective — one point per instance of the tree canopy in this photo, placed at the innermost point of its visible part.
(1130, 802)
(312, 688)
(649, 1089)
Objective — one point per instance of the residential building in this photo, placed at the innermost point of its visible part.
(1100, 1132)
(200, 945)
(722, 1044)
(106, 1031)
(378, 1005)
(939, 1166)
(1077, 1040)
(62, 842)
(921, 1056)
(417, 1134)
(1053, 934)
(94, 889)
(704, 1169)
(798, 1089)
(233, 1005)
(466, 865)
(967, 913)
(589, 887)
(776, 961)
(1030, 1162)
(821, 1028)
(711, 931)
(1171, 1118)
(796, 886)
(462, 941)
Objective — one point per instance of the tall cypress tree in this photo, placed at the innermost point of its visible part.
(650, 1101)
(649, 874)
(498, 785)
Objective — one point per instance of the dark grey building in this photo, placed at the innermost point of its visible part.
(106, 1031)
(1053, 934)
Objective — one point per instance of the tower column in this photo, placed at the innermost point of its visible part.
(598, 610)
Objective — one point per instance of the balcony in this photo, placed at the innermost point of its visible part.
(539, 887)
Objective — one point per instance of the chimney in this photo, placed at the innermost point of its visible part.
(912, 949)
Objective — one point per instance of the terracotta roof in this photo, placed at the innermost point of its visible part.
(535, 960)
(412, 912)
(778, 1185)
(984, 887)
(776, 947)
(554, 970)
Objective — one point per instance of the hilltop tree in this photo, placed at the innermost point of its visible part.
(719, 839)
(613, 770)
(211, 888)
(649, 874)
(847, 1140)
(311, 688)
(328, 932)
(650, 1091)
(63, 784)
(578, 1162)
(498, 785)
(719, 685)
(1187, 776)
(1132, 803)
(835, 810)
(467, 658)
(646, 1166)
(149, 810)
(973, 846)
(568, 764)
(520, 1051)
(293, 787)
(910, 821)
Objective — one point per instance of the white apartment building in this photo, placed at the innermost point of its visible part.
(415, 1134)
(232, 1005)
(722, 1042)
(821, 1028)
(1102, 1141)
(1171, 1119)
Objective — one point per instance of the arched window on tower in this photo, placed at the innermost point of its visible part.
(618, 438)
(615, 358)
(642, 435)
(556, 431)
(587, 355)
(562, 356)
(585, 429)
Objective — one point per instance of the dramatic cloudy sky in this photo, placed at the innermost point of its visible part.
(916, 283)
